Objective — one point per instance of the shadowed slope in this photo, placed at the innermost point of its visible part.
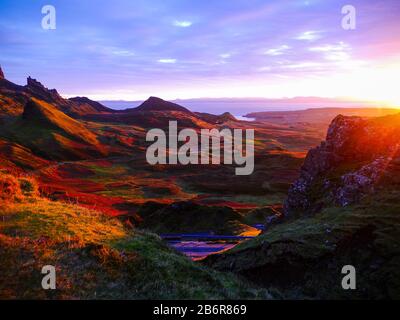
(81, 106)
(47, 116)
(13, 157)
(52, 134)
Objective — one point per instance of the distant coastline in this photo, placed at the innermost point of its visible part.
(239, 107)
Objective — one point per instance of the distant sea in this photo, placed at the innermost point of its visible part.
(239, 107)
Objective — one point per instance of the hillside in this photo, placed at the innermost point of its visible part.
(96, 257)
(303, 258)
(13, 99)
(52, 134)
(111, 171)
(351, 163)
(157, 104)
(343, 209)
(153, 113)
(17, 158)
(217, 119)
(189, 217)
(81, 106)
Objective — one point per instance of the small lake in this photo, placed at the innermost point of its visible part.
(244, 118)
(197, 246)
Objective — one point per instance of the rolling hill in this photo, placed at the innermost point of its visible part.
(97, 257)
(50, 133)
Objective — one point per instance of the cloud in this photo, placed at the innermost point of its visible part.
(336, 52)
(123, 53)
(167, 60)
(266, 68)
(304, 65)
(309, 36)
(338, 56)
(341, 46)
(277, 51)
(136, 41)
(182, 24)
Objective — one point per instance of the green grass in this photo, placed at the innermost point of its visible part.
(35, 218)
(97, 257)
(304, 257)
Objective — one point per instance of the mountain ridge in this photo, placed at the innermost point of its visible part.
(152, 112)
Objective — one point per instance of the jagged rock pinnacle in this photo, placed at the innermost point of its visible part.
(34, 83)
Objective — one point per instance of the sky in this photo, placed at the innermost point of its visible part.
(132, 49)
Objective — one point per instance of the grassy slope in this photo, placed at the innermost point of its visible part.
(61, 121)
(304, 257)
(96, 257)
(52, 134)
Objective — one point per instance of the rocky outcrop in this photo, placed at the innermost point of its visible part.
(15, 98)
(347, 166)
(37, 89)
(34, 84)
(354, 185)
(302, 257)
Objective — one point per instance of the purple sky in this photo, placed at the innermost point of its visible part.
(131, 49)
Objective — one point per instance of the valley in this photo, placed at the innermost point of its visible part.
(255, 235)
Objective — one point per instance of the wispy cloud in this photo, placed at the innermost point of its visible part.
(309, 36)
(335, 52)
(304, 65)
(277, 51)
(341, 46)
(182, 24)
(225, 55)
(167, 60)
(123, 53)
(206, 46)
(265, 69)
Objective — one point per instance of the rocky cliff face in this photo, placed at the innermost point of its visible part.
(14, 97)
(357, 155)
(49, 95)
(352, 182)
